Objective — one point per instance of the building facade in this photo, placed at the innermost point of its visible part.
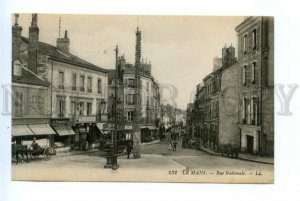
(256, 85)
(77, 91)
(210, 120)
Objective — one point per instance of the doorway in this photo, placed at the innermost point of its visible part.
(249, 144)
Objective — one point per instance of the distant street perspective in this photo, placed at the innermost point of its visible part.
(150, 98)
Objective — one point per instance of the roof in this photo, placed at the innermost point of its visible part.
(57, 55)
(28, 77)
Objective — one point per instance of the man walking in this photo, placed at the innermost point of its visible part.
(128, 149)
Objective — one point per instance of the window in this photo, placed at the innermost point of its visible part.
(246, 111)
(81, 83)
(254, 105)
(254, 39)
(73, 108)
(17, 69)
(254, 73)
(74, 80)
(131, 83)
(147, 86)
(89, 80)
(61, 80)
(18, 99)
(89, 109)
(99, 86)
(245, 44)
(130, 116)
(81, 108)
(61, 107)
(130, 99)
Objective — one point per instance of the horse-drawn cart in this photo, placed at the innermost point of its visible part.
(36, 151)
(32, 151)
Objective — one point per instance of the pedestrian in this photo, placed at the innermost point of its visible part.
(170, 146)
(174, 145)
(128, 149)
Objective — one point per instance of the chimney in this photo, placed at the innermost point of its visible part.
(228, 56)
(63, 44)
(16, 39)
(33, 44)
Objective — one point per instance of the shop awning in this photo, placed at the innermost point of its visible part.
(20, 130)
(63, 130)
(41, 129)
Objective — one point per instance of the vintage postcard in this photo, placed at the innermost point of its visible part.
(142, 98)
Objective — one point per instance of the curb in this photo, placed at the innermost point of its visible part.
(244, 159)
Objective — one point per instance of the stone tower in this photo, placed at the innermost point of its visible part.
(138, 108)
(138, 50)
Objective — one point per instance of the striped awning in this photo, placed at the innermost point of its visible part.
(20, 130)
(41, 129)
(63, 130)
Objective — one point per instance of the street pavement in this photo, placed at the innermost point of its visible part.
(157, 164)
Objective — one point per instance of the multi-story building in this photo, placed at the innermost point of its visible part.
(256, 85)
(77, 90)
(209, 118)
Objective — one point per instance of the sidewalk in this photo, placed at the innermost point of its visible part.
(242, 156)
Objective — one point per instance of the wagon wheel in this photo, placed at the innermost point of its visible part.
(47, 153)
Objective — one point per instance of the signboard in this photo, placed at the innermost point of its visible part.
(128, 127)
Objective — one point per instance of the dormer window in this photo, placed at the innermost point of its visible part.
(17, 68)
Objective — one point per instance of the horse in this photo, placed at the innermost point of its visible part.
(20, 149)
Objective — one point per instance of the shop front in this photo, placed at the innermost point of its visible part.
(87, 134)
(26, 129)
(64, 140)
(149, 133)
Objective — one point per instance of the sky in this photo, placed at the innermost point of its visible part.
(180, 48)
